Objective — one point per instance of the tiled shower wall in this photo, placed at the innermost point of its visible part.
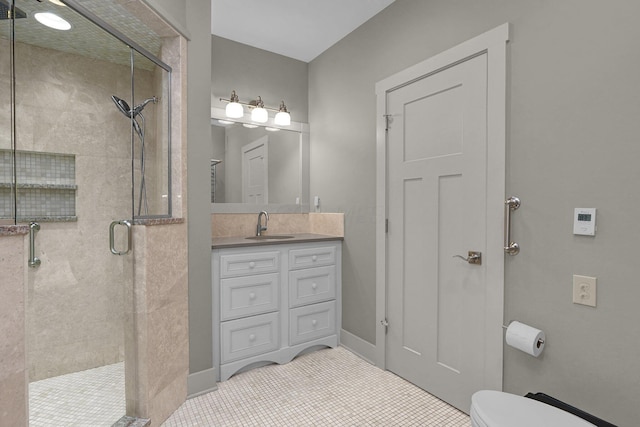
(75, 299)
(46, 186)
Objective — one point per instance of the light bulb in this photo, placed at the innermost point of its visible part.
(234, 110)
(282, 118)
(259, 115)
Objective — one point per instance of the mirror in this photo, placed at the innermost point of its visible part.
(257, 168)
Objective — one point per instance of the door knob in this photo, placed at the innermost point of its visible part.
(473, 258)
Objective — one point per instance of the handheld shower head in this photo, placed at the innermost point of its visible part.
(122, 105)
(128, 111)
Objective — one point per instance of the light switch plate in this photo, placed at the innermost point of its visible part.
(584, 290)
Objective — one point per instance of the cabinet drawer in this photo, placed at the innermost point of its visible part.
(312, 257)
(248, 337)
(250, 263)
(312, 321)
(312, 285)
(249, 295)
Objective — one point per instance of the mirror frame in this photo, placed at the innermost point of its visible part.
(304, 164)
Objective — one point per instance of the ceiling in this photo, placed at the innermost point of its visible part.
(299, 29)
(85, 38)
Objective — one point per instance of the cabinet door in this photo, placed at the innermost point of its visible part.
(312, 285)
(312, 321)
(249, 295)
(250, 336)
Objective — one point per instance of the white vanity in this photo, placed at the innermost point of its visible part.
(273, 299)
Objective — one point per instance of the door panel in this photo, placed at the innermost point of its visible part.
(73, 149)
(255, 173)
(437, 150)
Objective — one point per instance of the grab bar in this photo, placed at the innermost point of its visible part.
(112, 238)
(510, 247)
(33, 260)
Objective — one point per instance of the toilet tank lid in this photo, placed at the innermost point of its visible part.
(499, 409)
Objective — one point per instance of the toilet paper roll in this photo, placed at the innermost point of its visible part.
(525, 338)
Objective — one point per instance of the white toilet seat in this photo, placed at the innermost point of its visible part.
(491, 408)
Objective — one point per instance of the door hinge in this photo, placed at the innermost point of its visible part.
(386, 225)
(385, 323)
(388, 119)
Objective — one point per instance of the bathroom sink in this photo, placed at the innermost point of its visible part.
(269, 237)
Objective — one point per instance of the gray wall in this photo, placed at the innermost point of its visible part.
(194, 16)
(254, 72)
(573, 126)
(199, 185)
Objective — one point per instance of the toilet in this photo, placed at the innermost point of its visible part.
(498, 409)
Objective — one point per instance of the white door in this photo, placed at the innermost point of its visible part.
(437, 189)
(255, 172)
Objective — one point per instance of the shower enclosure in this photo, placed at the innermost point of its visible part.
(80, 174)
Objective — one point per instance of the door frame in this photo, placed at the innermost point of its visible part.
(494, 44)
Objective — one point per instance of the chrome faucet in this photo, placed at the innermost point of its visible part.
(260, 228)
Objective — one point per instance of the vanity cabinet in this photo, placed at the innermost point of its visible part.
(273, 301)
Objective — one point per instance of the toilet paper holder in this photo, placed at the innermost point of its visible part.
(538, 344)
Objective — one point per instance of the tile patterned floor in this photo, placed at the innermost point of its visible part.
(330, 387)
(94, 397)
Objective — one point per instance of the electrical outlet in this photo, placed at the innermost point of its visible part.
(584, 290)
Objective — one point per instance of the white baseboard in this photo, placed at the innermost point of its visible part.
(201, 382)
(358, 346)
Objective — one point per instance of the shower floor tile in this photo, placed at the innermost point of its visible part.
(330, 387)
(94, 397)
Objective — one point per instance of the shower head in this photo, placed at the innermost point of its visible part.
(127, 111)
(122, 105)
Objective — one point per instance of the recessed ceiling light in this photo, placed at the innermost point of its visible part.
(57, 2)
(52, 20)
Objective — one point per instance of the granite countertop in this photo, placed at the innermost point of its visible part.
(240, 241)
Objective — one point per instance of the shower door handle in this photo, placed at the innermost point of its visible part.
(112, 237)
(33, 260)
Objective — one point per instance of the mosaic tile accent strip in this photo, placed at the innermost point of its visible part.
(329, 387)
(94, 397)
(45, 184)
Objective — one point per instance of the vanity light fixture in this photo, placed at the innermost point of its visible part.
(249, 126)
(270, 129)
(234, 109)
(52, 20)
(259, 113)
(283, 118)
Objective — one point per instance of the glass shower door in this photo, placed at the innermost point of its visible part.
(74, 179)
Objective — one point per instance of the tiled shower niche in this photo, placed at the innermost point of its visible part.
(46, 186)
